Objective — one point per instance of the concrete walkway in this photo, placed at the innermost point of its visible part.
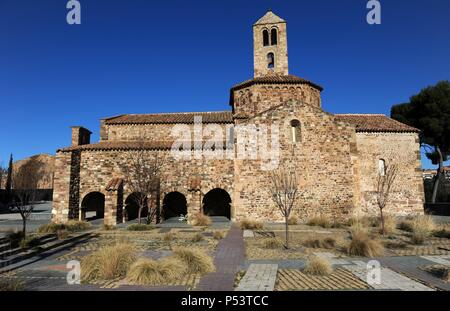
(229, 256)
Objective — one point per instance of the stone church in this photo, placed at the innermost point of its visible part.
(336, 156)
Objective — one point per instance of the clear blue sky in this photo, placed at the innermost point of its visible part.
(140, 56)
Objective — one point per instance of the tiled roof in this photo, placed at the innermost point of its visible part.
(127, 145)
(375, 123)
(172, 118)
(114, 184)
(276, 79)
(270, 18)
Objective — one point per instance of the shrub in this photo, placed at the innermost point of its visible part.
(152, 272)
(10, 285)
(293, 220)
(50, 228)
(140, 227)
(359, 228)
(197, 237)
(107, 263)
(317, 266)
(362, 245)
(169, 236)
(200, 220)
(195, 260)
(272, 243)
(218, 235)
(29, 242)
(247, 224)
(405, 225)
(422, 227)
(320, 221)
(77, 226)
(327, 243)
(62, 234)
(390, 223)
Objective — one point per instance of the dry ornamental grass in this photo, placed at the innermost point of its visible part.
(317, 266)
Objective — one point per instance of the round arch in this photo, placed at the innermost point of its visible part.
(217, 202)
(93, 202)
(174, 205)
(131, 209)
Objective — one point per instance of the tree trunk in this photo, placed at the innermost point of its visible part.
(438, 175)
(139, 214)
(382, 221)
(287, 233)
(24, 226)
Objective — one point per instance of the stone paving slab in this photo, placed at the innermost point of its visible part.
(248, 234)
(390, 280)
(438, 259)
(259, 277)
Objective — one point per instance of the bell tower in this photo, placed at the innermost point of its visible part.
(270, 46)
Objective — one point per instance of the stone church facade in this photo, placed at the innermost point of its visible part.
(337, 157)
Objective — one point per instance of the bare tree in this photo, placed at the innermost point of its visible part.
(25, 181)
(284, 192)
(385, 181)
(3, 173)
(142, 176)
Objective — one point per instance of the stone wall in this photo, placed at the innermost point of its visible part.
(402, 149)
(261, 97)
(152, 132)
(322, 159)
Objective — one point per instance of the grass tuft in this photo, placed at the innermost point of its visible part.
(247, 224)
(197, 237)
(326, 243)
(140, 227)
(320, 221)
(218, 235)
(195, 260)
(200, 220)
(363, 245)
(293, 220)
(317, 266)
(422, 228)
(152, 272)
(107, 263)
(169, 236)
(272, 243)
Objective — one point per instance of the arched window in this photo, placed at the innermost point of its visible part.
(270, 61)
(382, 167)
(295, 131)
(274, 37)
(265, 37)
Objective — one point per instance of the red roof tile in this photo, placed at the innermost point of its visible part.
(375, 123)
(114, 184)
(172, 118)
(276, 79)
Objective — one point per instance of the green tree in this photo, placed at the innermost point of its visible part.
(429, 111)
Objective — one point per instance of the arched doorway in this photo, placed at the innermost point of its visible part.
(174, 205)
(93, 206)
(217, 202)
(131, 210)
